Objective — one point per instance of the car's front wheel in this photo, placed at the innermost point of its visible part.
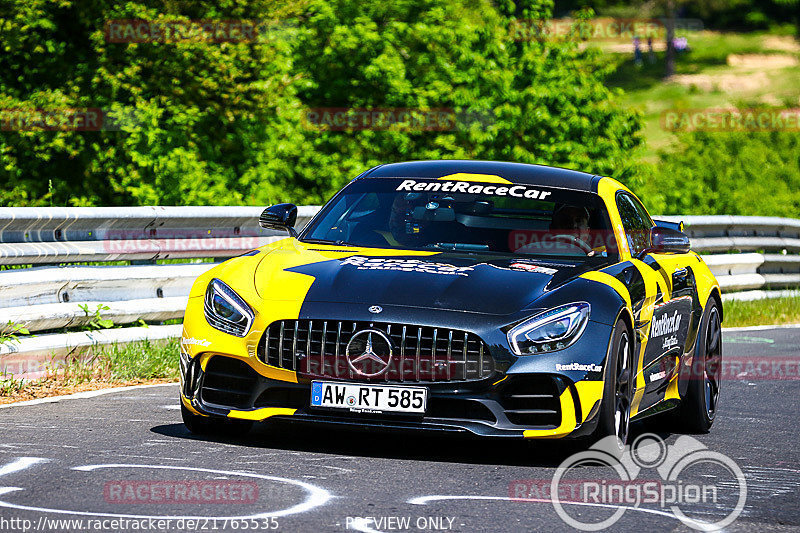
(615, 409)
(204, 425)
(698, 408)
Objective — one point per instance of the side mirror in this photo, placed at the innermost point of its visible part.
(280, 217)
(668, 224)
(665, 241)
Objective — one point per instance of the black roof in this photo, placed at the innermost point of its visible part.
(514, 172)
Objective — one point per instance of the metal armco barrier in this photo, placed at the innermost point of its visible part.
(50, 292)
(33, 235)
(747, 253)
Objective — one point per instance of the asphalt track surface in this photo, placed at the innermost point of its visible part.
(60, 461)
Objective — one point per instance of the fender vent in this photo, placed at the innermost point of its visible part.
(533, 401)
(229, 383)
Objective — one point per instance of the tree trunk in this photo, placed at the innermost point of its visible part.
(669, 67)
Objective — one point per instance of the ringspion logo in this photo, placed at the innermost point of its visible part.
(690, 479)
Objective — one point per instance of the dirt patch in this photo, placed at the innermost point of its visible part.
(627, 48)
(762, 61)
(750, 73)
(783, 43)
(729, 83)
(46, 388)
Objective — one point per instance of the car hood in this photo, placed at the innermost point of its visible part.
(446, 281)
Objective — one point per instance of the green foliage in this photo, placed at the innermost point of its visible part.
(10, 332)
(96, 320)
(199, 108)
(114, 363)
(224, 123)
(9, 384)
(143, 360)
(728, 173)
(783, 310)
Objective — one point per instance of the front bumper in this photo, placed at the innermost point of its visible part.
(520, 405)
(223, 376)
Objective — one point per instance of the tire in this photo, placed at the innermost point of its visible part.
(698, 409)
(204, 425)
(615, 409)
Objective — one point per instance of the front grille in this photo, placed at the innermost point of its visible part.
(533, 401)
(229, 382)
(317, 348)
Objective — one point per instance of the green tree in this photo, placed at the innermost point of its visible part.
(220, 123)
(202, 112)
(540, 101)
(733, 173)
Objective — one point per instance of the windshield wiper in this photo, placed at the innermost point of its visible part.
(327, 241)
(460, 246)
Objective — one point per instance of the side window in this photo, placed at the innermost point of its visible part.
(636, 222)
(642, 212)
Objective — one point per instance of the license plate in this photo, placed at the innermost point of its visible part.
(359, 398)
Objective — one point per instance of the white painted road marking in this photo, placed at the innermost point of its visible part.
(317, 496)
(762, 328)
(21, 464)
(82, 395)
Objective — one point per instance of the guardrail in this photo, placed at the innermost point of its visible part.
(747, 253)
(757, 253)
(45, 298)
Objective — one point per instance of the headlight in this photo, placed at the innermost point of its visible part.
(226, 311)
(549, 331)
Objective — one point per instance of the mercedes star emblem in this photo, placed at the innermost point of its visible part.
(369, 353)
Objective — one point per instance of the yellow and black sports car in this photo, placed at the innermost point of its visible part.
(500, 299)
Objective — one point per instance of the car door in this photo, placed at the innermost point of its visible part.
(673, 302)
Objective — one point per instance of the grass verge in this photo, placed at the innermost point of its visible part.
(137, 363)
(771, 311)
(706, 79)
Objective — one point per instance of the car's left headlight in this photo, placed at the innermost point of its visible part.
(552, 330)
(226, 311)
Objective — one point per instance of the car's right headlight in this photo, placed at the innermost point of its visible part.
(550, 331)
(226, 311)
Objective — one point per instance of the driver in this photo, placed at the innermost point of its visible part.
(410, 228)
(402, 228)
(573, 220)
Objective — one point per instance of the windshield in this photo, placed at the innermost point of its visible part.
(431, 214)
